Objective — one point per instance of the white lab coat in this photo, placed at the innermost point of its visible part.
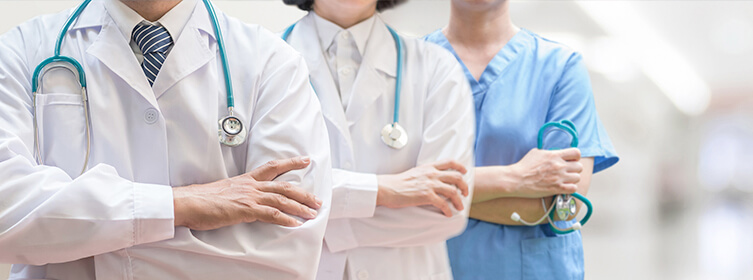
(437, 112)
(120, 211)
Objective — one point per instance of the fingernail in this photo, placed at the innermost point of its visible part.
(306, 160)
(319, 202)
(312, 214)
(299, 223)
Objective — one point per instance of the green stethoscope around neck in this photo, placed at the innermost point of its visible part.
(563, 205)
(393, 134)
(231, 130)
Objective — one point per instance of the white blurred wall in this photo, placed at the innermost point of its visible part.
(650, 207)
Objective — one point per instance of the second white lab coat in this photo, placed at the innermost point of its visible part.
(437, 112)
(116, 220)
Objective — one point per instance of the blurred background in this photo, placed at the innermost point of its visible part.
(673, 82)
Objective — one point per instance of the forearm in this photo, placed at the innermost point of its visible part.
(493, 182)
(499, 210)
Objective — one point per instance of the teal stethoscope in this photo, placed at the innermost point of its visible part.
(393, 135)
(231, 131)
(563, 205)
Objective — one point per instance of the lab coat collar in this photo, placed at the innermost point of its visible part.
(327, 31)
(97, 15)
(188, 55)
(127, 19)
(381, 51)
(94, 15)
(378, 67)
(321, 77)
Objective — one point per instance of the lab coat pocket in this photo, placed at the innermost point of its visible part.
(556, 257)
(61, 126)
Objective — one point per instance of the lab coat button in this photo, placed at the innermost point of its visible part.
(347, 165)
(363, 274)
(150, 116)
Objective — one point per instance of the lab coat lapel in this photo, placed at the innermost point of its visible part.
(113, 50)
(189, 53)
(305, 39)
(376, 76)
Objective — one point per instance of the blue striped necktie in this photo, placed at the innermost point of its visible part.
(153, 41)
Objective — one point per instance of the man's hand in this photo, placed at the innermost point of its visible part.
(246, 198)
(424, 185)
(545, 173)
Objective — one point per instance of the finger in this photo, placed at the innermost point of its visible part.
(274, 168)
(570, 154)
(271, 215)
(574, 167)
(571, 178)
(287, 205)
(450, 164)
(450, 193)
(569, 188)
(292, 192)
(440, 203)
(455, 179)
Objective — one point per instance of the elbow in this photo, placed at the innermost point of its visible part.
(457, 224)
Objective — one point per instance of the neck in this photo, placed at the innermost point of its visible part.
(151, 10)
(480, 25)
(344, 17)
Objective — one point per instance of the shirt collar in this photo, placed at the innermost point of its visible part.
(327, 31)
(127, 19)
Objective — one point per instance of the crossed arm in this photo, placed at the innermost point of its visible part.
(502, 190)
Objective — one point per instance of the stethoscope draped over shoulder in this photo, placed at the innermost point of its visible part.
(393, 134)
(231, 130)
(563, 205)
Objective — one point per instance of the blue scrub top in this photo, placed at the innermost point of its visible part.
(530, 82)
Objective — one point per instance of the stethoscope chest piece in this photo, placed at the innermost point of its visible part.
(231, 131)
(566, 206)
(394, 136)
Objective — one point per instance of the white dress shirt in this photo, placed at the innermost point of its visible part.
(126, 19)
(344, 51)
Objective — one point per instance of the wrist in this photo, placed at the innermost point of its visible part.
(514, 182)
(180, 207)
(381, 190)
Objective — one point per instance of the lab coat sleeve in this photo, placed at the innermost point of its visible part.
(354, 194)
(288, 122)
(448, 134)
(45, 215)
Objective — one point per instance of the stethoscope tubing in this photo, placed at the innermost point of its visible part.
(39, 72)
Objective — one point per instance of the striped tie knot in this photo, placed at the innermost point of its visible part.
(153, 41)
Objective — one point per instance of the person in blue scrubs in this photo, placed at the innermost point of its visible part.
(521, 81)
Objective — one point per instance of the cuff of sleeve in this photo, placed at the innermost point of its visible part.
(357, 196)
(153, 213)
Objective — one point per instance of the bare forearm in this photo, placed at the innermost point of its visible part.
(493, 182)
(499, 210)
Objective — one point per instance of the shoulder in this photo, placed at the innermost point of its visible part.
(248, 35)
(35, 37)
(431, 55)
(550, 52)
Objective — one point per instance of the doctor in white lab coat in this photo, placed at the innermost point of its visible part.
(225, 218)
(392, 209)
